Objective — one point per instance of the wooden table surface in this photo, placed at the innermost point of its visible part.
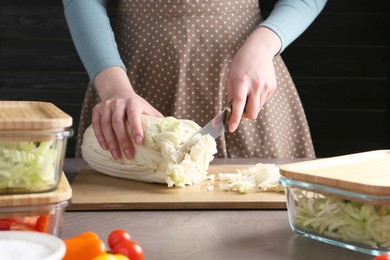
(205, 234)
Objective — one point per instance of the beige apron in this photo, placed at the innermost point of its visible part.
(177, 53)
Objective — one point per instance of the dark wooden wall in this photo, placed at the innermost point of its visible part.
(340, 66)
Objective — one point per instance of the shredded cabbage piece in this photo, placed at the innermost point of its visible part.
(343, 219)
(260, 177)
(153, 160)
(27, 165)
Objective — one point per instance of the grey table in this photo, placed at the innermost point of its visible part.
(205, 234)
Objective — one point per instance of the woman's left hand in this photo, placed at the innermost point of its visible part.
(251, 77)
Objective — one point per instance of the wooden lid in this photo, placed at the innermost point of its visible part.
(62, 193)
(32, 115)
(366, 173)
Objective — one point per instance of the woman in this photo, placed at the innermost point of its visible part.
(187, 59)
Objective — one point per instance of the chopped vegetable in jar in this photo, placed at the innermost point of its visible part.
(343, 219)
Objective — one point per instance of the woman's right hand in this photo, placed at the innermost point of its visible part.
(120, 104)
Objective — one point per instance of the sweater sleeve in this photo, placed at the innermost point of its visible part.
(290, 18)
(91, 32)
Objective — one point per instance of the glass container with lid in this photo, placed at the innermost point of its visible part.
(33, 138)
(40, 212)
(343, 200)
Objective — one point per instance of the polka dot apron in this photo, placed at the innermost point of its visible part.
(177, 53)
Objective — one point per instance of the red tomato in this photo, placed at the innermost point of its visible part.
(31, 220)
(42, 224)
(382, 257)
(32, 223)
(5, 223)
(20, 223)
(21, 226)
(129, 248)
(117, 236)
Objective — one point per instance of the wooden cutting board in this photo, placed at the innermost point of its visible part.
(95, 191)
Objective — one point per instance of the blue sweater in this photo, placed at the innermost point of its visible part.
(93, 37)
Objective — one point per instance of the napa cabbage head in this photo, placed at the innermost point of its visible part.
(153, 159)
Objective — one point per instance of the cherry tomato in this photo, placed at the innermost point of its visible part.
(129, 248)
(382, 257)
(42, 224)
(117, 236)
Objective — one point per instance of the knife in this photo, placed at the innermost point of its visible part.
(216, 127)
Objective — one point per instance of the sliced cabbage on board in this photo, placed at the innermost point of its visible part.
(152, 161)
(260, 177)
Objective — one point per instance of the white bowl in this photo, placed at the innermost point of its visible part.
(15, 245)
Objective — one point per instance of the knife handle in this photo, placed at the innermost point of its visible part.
(228, 109)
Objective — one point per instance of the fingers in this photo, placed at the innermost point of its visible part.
(258, 96)
(153, 112)
(236, 115)
(108, 126)
(248, 99)
(96, 117)
(135, 123)
(263, 97)
(253, 104)
(120, 129)
(134, 109)
(109, 121)
(239, 100)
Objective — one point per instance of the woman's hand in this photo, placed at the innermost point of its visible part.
(120, 104)
(251, 77)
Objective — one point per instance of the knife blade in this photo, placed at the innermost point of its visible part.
(216, 127)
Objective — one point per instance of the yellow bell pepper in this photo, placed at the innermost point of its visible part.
(111, 257)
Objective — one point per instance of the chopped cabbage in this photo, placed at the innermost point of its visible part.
(27, 166)
(263, 177)
(343, 219)
(153, 160)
